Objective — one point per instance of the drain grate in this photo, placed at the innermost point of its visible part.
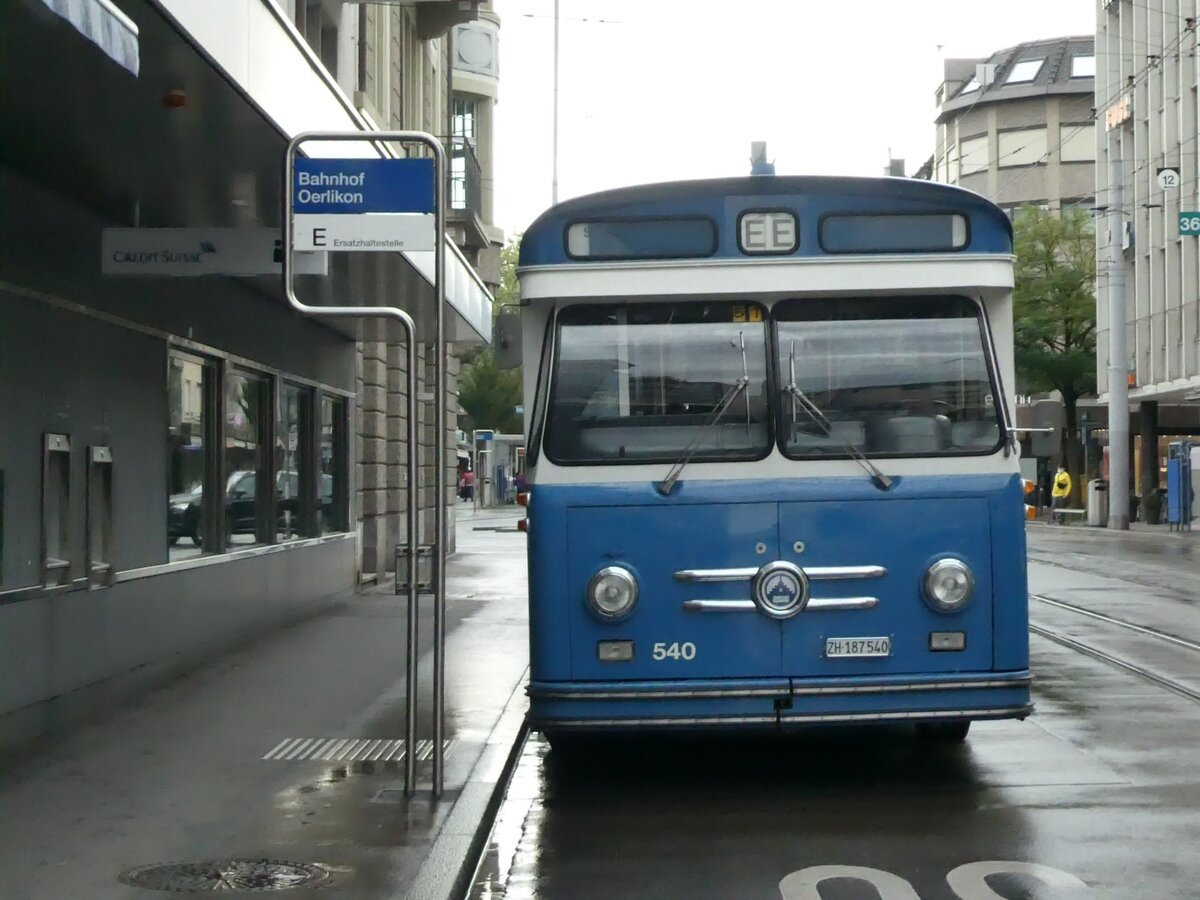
(349, 750)
(226, 875)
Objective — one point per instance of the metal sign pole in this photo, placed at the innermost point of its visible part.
(439, 476)
(413, 467)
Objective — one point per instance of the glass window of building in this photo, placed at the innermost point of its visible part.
(1077, 143)
(458, 180)
(246, 491)
(191, 385)
(320, 31)
(1021, 147)
(465, 115)
(333, 483)
(294, 467)
(974, 154)
(1024, 71)
(1083, 66)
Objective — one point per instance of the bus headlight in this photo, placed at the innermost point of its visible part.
(612, 593)
(948, 585)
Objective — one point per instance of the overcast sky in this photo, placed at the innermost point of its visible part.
(657, 90)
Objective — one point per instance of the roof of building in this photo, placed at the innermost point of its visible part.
(1031, 69)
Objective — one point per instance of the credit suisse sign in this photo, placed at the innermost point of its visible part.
(176, 252)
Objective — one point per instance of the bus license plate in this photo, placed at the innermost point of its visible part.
(858, 646)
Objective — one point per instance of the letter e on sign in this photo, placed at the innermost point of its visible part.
(767, 232)
(318, 237)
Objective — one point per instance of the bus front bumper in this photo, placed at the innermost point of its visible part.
(772, 703)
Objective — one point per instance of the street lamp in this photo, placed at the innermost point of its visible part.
(554, 114)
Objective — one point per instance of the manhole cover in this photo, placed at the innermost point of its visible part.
(226, 875)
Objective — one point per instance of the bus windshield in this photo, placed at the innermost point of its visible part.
(644, 383)
(901, 376)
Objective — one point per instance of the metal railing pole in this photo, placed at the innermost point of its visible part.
(412, 431)
(439, 479)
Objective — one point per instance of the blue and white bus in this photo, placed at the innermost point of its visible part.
(771, 472)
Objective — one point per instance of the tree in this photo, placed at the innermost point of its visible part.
(509, 292)
(1055, 313)
(488, 395)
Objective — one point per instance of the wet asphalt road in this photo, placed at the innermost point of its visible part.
(1097, 795)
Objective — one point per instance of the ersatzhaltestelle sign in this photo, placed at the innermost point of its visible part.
(346, 205)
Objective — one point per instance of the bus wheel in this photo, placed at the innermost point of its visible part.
(944, 732)
(564, 744)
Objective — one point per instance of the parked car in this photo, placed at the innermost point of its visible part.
(241, 489)
(183, 516)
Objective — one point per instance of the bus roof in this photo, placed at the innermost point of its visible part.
(721, 218)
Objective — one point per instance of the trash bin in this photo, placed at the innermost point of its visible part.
(1097, 503)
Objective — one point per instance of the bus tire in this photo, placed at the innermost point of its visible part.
(944, 732)
(564, 744)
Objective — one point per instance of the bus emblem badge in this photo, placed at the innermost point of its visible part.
(780, 589)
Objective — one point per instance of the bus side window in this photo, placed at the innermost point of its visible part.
(541, 395)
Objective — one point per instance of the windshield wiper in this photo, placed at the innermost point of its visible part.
(735, 390)
(813, 411)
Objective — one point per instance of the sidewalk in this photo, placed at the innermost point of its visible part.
(194, 771)
(1135, 528)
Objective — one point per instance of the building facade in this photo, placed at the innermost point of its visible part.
(1147, 103)
(1017, 127)
(432, 67)
(185, 460)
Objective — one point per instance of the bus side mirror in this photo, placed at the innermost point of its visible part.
(506, 339)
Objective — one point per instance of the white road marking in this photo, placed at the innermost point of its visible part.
(805, 884)
(967, 881)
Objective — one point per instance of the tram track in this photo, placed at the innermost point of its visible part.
(1104, 656)
(1122, 623)
(1140, 578)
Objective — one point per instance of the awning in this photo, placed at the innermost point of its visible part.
(105, 26)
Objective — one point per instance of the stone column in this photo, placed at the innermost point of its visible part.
(1148, 412)
(371, 448)
(396, 464)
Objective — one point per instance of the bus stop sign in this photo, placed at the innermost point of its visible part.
(355, 205)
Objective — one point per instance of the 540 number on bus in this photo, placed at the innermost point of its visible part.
(685, 650)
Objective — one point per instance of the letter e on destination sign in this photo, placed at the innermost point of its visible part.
(767, 231)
